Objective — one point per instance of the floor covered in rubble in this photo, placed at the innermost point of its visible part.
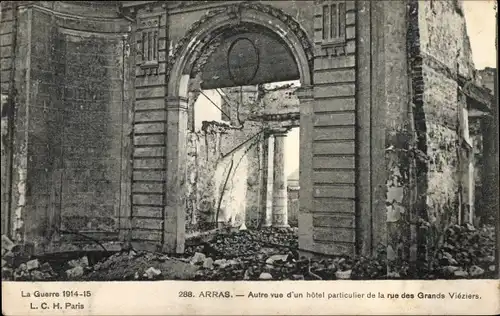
(265, 254)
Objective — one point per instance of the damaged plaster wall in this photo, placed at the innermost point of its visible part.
(220, 182)
(223, 164)
(446, 55)
(7, 19)
(224, 159)
(65, 107)
(425, 158)
(478, 126)
(5, 151)
(398, 132)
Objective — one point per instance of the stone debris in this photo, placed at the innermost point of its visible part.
(132, 254)
(208, 263)
(343, 275)
(267, 254)
(46, 268)
(277, 258)
(197, 258)
(165, 258)
(23, 267)
(152, 273)
(470, 227)
(221, 263)
(297, 277)
(81, 262)
(33, 264)
(475, 271)
(450, 269)
(7, 244)
(461, 274)
(37, 275)
(75, 272)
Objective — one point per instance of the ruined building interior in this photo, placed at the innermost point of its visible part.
(147, 122)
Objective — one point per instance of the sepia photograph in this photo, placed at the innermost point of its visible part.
(250, 141)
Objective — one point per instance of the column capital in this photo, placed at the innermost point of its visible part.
(305, 93)
(176, 103)
(279, 132)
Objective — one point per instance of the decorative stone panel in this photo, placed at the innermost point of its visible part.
(334, 25)
(149, 29)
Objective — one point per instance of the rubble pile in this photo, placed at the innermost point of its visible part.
(246, 242)
(266, 254)
(17, 264)
(466, 252)
(137, 265)
(279, 266)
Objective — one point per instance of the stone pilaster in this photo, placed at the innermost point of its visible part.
(268, 185)
(174, 221)
(305, 216)
(280, 209)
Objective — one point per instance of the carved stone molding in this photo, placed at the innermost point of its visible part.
(174, 5)
(176, 103)
(234, 11)
(305, 93)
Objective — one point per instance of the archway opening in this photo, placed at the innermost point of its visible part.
(241, 104)
(243, 157)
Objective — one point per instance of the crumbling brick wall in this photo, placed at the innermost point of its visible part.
(425, 155)
(446, 56)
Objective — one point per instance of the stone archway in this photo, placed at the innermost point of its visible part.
(266, 16)
(179, 69)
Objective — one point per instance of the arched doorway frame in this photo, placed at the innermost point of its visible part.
(201, 32)
(178, 75)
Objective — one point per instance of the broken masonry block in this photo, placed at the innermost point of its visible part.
(74, 272)
(476, 271)
(7, 244)
(132, 254)
(208, 263)
(22, 267)
(343, 275)
(461, 274)
(38, 275)
(33, 264)
(81, 262)
(198, 257)
(152, 273)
